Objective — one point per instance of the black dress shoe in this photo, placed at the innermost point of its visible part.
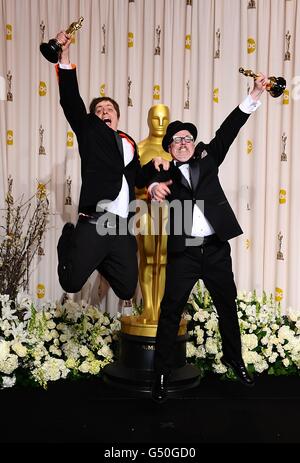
(159, 388)
(240, 371)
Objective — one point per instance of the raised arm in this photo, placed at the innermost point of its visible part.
(70, 98)
(229, 129)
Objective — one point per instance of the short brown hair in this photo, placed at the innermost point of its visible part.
(95, 101)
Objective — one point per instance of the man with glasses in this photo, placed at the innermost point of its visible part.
(200, 249)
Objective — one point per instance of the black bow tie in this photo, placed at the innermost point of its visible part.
(182, 163)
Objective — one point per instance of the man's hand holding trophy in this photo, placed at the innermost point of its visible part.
(275, 85)
(52, 50)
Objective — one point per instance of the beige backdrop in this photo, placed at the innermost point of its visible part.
(185, 54)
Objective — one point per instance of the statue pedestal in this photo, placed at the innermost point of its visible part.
(134, 368)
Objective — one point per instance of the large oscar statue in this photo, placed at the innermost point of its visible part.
(152, 241)
(134, 367)
(153, 247)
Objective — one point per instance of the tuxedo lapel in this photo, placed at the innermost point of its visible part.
(184, 181)
(194, 171)
(194, 174)
(179, 177)
(120, 144)
(108, 138)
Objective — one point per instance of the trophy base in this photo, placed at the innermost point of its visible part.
(51, 50)
(277, 86)
(134, 368)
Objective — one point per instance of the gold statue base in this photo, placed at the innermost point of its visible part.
(133, 368)
(137, 325)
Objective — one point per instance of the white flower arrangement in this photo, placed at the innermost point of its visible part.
(56, 341)
(270, 340)
(53, 341)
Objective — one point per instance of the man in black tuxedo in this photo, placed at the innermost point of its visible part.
(110, 170)
(201, 248)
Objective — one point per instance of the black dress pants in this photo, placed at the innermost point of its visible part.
(211, 263)
(83, 250)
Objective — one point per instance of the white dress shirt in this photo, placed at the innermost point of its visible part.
(120, 205)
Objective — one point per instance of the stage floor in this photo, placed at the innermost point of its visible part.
(214, 412)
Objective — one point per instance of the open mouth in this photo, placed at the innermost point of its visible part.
(107, 121)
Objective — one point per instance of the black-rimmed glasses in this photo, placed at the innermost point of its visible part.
(186, 138)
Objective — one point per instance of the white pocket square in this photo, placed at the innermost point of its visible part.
(203, 154)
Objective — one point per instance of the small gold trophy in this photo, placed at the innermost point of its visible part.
(280, 253)
(251, 4)
(42, 29)
(103, 50)
(9, 93)
(218, 37)
(187, 101)
(283, 154)
(52, 49)
(157, 48)
(41, 147)
(68, 200)
(275, 86)
(287, 55)
(129, 82)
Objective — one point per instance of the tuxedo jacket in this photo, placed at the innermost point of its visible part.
(102, 161)
(204, 169)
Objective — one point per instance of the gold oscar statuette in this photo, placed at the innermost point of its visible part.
(152, 242)
(283, 154)
(275, 86)
(157, 48)
(68, 200)
(187, 101)
(218, 37)
(280, 253)
(41, 147)
(287, 55)
(9, 93)
(52, 49)
(129, 102)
